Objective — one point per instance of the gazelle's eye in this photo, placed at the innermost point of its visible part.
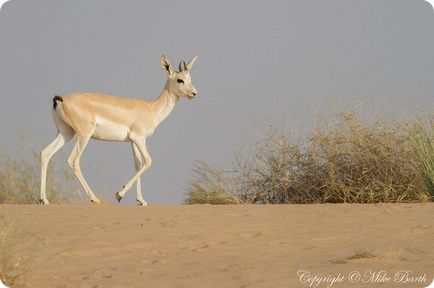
(180, 81)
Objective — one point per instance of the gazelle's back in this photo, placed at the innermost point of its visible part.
(105, 117)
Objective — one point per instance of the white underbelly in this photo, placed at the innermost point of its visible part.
(110, 131)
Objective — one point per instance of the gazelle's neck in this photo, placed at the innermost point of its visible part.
(164, 104)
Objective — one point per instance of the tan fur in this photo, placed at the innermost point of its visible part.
(84, 110)
(110, 118)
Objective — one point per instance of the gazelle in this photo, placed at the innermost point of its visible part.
(109, 118)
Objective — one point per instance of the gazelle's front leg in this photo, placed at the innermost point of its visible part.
(138, 165)
(140, 143)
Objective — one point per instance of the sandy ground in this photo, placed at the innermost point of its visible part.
(219, 246)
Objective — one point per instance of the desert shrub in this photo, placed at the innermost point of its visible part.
(20, 180)
(344, 160)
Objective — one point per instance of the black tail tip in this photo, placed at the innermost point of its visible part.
(55, 99)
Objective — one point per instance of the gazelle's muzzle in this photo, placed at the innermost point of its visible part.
(192, 94)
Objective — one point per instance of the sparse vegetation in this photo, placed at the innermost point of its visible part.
(20, 181)
(210, 186)
(362, 255)
(345, 160)
(11, 269)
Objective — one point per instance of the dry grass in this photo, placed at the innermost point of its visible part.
(15, 258)
(345, 160)
(11, 267)
(210, 186)
(20, 180)
(362, 255)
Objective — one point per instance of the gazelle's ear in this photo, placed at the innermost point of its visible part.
(190, 64)
(165, 64)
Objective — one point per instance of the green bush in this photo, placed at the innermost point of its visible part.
(423, 143)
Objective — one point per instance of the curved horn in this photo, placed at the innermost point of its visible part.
(185, 65)
(180, 67)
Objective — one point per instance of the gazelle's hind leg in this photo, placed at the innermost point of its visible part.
(64, 135)
(74, 162)
(138, 165)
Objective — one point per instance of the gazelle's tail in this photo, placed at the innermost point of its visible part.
(55, 99)
(58, 113)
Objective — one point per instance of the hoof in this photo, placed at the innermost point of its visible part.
(142, 202)
(43, 201)
(118, 196)
(96, 201)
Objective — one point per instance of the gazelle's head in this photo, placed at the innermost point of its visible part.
(179, 82)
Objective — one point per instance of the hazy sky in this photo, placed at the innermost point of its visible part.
(258, 60)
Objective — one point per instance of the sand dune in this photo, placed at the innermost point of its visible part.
(219, 246)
